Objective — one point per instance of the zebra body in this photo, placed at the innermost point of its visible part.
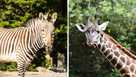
(13, 41)
(21, 44)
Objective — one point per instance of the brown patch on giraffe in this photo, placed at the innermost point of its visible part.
(116, 53)
(114, 61)
(126, 75)
(132, 68)
(106, 52)
(119, 65)
(128, 62)
(122, 59)
(106, 46)
(110, 56)
(124, 70)
(111, 50)
(99, 46)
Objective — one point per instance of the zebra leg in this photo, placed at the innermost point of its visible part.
(21, 67)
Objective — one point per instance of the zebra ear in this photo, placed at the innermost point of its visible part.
(41, 15)
(54, 17)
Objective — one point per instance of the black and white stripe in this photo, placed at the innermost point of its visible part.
(21, 44)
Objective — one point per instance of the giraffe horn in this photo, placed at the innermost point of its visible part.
(88, 22)
(96, 22)
(80, 29)
(82, 25)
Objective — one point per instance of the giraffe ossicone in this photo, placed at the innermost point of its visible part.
(119, 57)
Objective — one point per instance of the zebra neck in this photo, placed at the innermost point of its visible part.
(37, 42)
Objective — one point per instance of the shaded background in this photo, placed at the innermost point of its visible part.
(14, 13)
(88, 62)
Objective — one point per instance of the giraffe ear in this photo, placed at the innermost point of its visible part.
(103, 26)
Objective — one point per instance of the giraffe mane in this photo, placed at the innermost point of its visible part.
(133, 55)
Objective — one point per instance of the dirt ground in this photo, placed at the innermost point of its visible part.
(35, 74)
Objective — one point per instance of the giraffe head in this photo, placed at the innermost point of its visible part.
(92, 31)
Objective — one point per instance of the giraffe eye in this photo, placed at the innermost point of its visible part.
(98, 31)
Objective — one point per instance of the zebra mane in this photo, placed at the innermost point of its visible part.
(31, 22)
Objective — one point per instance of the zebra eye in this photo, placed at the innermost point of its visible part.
(43, 29)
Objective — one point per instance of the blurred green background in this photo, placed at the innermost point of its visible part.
(88, 62)
(14, 13)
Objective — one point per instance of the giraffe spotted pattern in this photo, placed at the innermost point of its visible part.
(118, 56)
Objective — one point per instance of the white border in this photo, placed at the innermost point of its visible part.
(67, 38)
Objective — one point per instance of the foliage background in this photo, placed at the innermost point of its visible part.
(14, 13)
(88, 62)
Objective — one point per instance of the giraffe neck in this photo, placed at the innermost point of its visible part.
(117, 57)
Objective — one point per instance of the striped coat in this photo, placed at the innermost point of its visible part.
(21, 44)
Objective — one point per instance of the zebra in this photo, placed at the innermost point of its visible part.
(21, 44)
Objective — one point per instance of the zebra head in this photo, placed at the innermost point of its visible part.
(92, 31)
(48, 29)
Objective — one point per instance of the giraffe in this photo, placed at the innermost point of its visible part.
(118, 56)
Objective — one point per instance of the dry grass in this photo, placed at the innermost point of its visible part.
(35, 74)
